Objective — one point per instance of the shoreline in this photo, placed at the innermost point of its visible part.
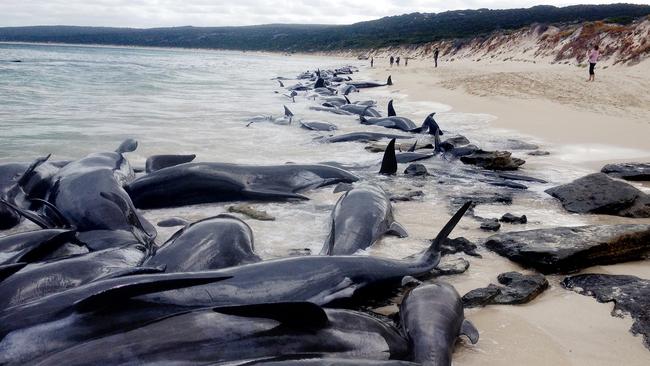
(613, 130)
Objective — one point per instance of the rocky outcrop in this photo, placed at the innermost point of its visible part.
(517, 289)
(628, 171)
(599, 194)
(566, 249)
(629, 294)
(493, 160)
(513, 219)
(458, 245)
(416, 170)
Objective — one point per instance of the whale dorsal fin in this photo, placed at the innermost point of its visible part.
(346, 99)
(389, 81)
(468, 329)
(28, 172)
(295, 314)
(281, 85)
(412, 148)
(389, 162)
(319, 83)
(391, 109)
(287, 112)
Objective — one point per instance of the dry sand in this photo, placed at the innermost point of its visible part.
(607, 120)
(591, 124)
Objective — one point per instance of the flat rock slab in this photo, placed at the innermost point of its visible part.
(493, 160)
(628, 171)
(459, 245)
(599, 194)
(629, 294)
(517, 289)
(566, 249)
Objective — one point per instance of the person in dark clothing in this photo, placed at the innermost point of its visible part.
(406, 61)
(391, 61)
(372, 62)
(397, 61)
(435, 56)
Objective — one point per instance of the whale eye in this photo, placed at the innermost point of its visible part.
(141, 247)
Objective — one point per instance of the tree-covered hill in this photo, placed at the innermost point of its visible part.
(412, 28)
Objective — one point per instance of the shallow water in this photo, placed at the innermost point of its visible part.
(71, 101)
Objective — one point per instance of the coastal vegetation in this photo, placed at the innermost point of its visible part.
(407, 29)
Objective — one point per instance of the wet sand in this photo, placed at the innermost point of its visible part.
(539, 104)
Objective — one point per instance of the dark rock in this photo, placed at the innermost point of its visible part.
(408, 195)
(481, 296)
(517, 289)
(513, 144)
(629, 294)
(458, 245)
(416, 170)
(538, 153)
(628, 171)
(505, 183)
(490, 225)
(451, 267)
(512, 219)
(493, 160)
(463, 150)
(566, 249)
(299, 252)
(480, 198)
(524, 178)
(599, 194)
(520, 288)
(454, 142)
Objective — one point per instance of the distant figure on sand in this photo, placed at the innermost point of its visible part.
(397, 61)
(391, 61)
(435, 56)
(593, 56)
(372, 62)
(406, 61)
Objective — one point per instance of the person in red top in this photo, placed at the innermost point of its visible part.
(593, 56)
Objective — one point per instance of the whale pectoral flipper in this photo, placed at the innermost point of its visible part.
(397, 229)
(134, 271)
(468, 329)
(295, 314)
(7, 270)
(142, 286)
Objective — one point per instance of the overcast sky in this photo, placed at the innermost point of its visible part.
(163, 13)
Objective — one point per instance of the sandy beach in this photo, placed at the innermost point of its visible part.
(603, 121)
(582, 124)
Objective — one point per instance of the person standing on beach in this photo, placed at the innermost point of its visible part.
(391, 61)
(406, 61)
(435, 56)
(372, 62)
(397, 61)
(593, 56)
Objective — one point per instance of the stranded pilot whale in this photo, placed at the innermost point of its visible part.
(360, 217)
(242, 332)
(216, 242)
(432, 319)
(99, 308)
(194, 183)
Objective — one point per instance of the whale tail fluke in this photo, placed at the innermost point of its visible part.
(389, 162)
(389, 81)
(281, 84)
(431, 256)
